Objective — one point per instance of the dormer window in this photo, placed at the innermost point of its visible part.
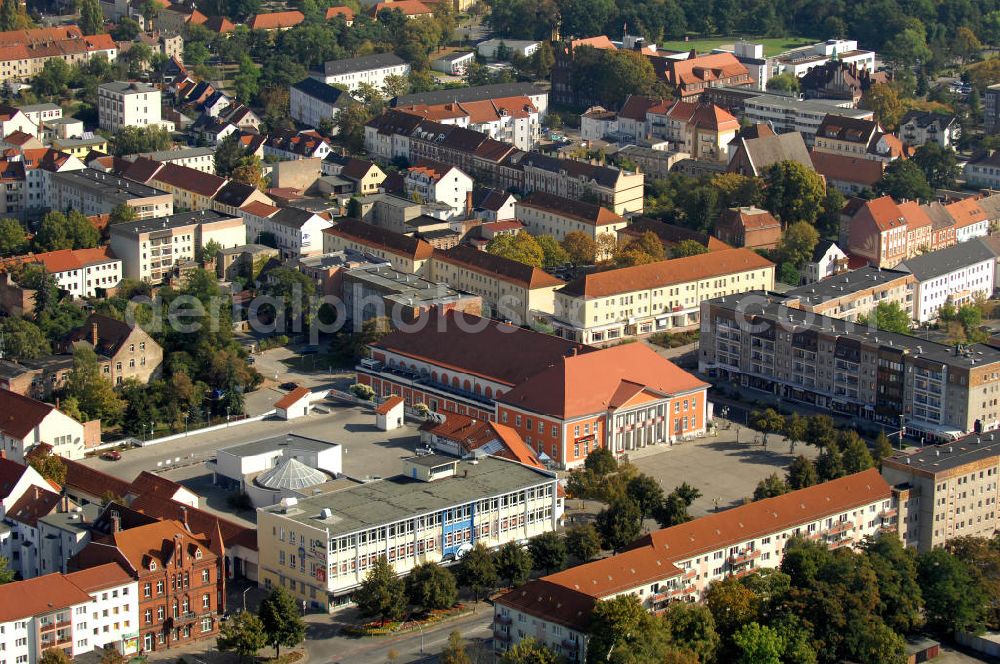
(152, 566)
(197, 554)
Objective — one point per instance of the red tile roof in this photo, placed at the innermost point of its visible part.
(662, 273)
(200, 521)
(497, 267)
(966, 212)
(292, 397)
(387, 405)
(10, 475)
(39, 596)
(259, 209)
(33, 505)
(407, 7)
(276, 20)
(594, 382)
(346, 12)
(883, 212)
(99, 577)
(370, 235)
(856, 170)
(152, 543)
(63, 260)
(93, 482)
(599, 42)
(19, 415)
(588, 213)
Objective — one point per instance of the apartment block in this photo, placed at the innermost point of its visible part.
(200, 159)
(428, 180)
(312, 102)
(129, 103)
(152, 248)
(934, 391)
(947, 490)
(790, 114)
(25, 52)
(679, 563)
(616, 188)
(191, 188)
(93, 193)
(956, 275)
(320, 548)
(370, 69)
(702, 130)
(407, 254)
(850, 295)
(547, 214)
(666, 295)
(513, 120)
(79, 272)
(295, 231)
(77, 613)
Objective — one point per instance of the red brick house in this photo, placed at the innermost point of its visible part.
(748, 227)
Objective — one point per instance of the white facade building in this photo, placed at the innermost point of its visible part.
(800, 60)
(370, 69)
(828, 259)
(312, 101)
(296, 232)
(956, 275)
(432, 181)
(123, 104)
(29, 423)
(788, 114)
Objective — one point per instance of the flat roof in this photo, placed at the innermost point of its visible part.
(275, 443)
(81, 521)
(106, 185)
(399, 497)
(178, 220)
(431, 460)
(846, 283)
(948, 456)
(825, 105)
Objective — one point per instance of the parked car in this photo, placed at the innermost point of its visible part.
(288, 386)
(112, 455)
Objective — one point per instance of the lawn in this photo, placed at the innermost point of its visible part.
(772, 46)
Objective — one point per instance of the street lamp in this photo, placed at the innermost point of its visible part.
(902, 428)
(249, 588)
(227, 413)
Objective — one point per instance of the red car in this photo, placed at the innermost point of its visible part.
(112, 455)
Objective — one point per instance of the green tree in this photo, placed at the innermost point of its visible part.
(211, 250)
(249, 170)
(54, 656)
(982, 556)
(830, 463)
(382, 594)
(65, 231)
(548, 551)
(939, 164)
(581, 248)
(889, 316)
(954, 599)
(351, 123)
(613, 623)
(247, 80)
(521, 247)
(283, 626)
(133, 139)
(732, 604)
(828, 221)
(903, 179)
(900, 597)
(787, 82)
(431, 586)
(758, 644)
(820, 430)
(583, 542)
(856, 454)
(243, 634)
(646, 493)
(13, 16)
(554, 253)
(513, 563)
(295, 290)
(530, 651)
(619, 524)
(882, 448)
(48, 465)
(795, 430)
(91, 17)
(6, 573)
(801, 473)
(94, 393)
(793, 192)
(228, 154)
(771, 486)
(22, 339)
(13, 239)
(884, 100)
(905, 48)
(687, 248)
(454, 652)
(797, 243)
(767, 421)
(477, 571)
(692, 627)
(601, 461)
(122, 213)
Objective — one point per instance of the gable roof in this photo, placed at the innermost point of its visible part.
(662, 273)
(943, 261)
(514, 352)
(33, 505)
(363, 63)
(843, 128)
(92, 481)
(111, 334)
(319, 90)
(595, 382)
(199, 520)
(498, 267)
(99, 577)
(373, 236)
(293, 397)
(276, 20)
(19, 415)
(748, 218)
(10, 474)
(39, 596)
(153, 543)
(594, 215)
(843, 168)
(387, 405)
(346, 12)
(765, 151)
(407, 7)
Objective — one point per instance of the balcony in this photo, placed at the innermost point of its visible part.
(501, 636)
(743, 557)
(889, 513)
(746, 571)
(840, 527)
(690, 574)
(502, 619)
(842, 542)
(569, 644)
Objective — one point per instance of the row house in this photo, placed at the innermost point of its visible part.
(701, 130)
(513, 120)
(679, 563)
(618, 189)
(94, 193)
(23, 53)
(933, 391)
(192, 189)
(294, 231)
(655, 297)
(406, 254)
(856, 137)
(77, 613)
(296, 145)
(80, 272)
(547, 214)
(958, 275)
(850, 295)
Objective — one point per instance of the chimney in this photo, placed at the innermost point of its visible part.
(184, 517)
(468, 204)
(93, 334)
(116, 522)
(178, 550)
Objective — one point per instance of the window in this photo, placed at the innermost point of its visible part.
(206, 576)
(206, 625)
(206, 601)
(159, 587)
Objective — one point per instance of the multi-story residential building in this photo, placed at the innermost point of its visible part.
(991, 109)
(181, 580)
(666, 295)
(370, 291)
(77, 613)
(753, 155)
(123, 350)
(850, 295)
(539, 97)
(679, 563)
(321, 548)
(93, 193)
(701, 130)
(828, 260)
(800, 61)
(25, 52)
(790, 114)
(152, 248)
(407, 254)
(513, 120)
(200, 159)
(548, 214)
(748, 227)
(935, 391)
(851, 176)
(312, 101)
(236, 195)
(957, 275)
(291, 144)
(983, 170)
(692, 75)
(27, 423)
(192, 189)
(126, 104)
(511, 290)
(921, 127)
(14, 119)
(619, 189)
(854, 137)
(428, 180)
(79, 272)
(295, 231)
(947, 491)
(370, 69)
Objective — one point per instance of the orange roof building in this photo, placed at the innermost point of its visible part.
(680, 562)
(346, 12)
(690, 77)
(277, 20)
(23, 53)
(409, 8)
(548, 214)
(608, 306)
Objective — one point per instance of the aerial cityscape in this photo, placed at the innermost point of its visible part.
(499, 332)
